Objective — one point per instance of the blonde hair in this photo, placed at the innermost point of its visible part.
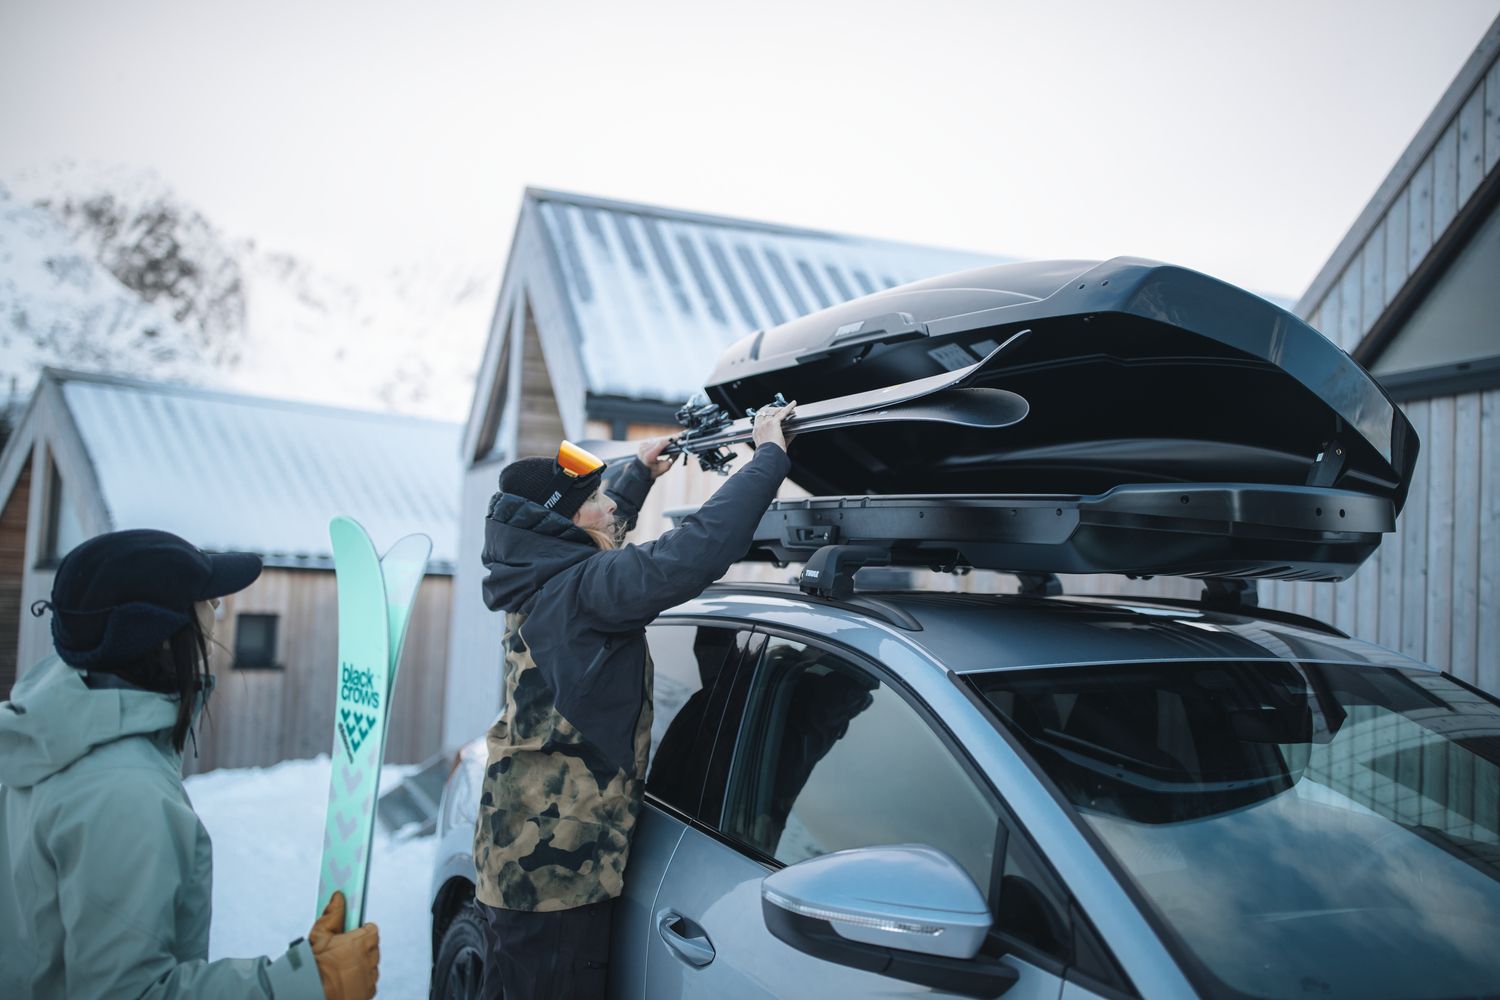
(606, 540)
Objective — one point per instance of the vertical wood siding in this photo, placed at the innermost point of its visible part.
(1433, 589)
(260, 717)
(1463, 155)
(13, 521)
(540, 422)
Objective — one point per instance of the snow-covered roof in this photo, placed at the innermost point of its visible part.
(657, 294)
(637, 301)
(243, 473)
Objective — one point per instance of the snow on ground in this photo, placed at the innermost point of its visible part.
(267, 829)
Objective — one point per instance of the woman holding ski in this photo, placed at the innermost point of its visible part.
(108, 872)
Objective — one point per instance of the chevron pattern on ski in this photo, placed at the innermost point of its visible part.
(363, 701)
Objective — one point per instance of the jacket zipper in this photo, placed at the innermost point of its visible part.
(593, 667)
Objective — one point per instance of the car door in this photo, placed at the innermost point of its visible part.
(693, 664)
(820, 751)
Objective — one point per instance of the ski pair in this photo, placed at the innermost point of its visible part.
(375, 597)
(950, 398)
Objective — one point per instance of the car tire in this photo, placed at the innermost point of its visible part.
(458, 972)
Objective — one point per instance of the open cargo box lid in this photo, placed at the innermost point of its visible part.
(1162, 422)
(1135, 372)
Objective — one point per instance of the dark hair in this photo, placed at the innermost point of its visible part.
(180, 668)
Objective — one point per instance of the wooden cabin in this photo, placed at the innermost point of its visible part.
(228, 472)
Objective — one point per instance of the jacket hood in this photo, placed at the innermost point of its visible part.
(52, 720)
(525, 545)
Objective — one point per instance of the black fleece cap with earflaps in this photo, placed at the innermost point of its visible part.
(120, 595)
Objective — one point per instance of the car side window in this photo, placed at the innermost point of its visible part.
(831, 758)
(687, 661)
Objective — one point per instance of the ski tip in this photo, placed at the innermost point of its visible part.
(414, 543)
(343, 522)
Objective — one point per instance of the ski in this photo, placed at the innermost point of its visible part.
(374, 604)
(949, 397)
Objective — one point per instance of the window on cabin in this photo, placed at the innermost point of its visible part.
(255, 642)
(64, 531)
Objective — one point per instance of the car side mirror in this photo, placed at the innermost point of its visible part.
(908, 911)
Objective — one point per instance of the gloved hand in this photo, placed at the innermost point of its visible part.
(348, 963)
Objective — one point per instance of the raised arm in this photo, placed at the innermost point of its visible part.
(627, 588)
(629, 486)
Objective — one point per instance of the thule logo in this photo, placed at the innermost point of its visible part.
(811, 574)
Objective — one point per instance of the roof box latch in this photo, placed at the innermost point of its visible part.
(807, 536)
(830, 571)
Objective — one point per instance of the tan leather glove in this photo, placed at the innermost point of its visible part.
(348, 963)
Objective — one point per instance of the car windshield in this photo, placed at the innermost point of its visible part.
(1304, 829)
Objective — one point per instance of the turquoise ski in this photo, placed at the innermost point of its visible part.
(404, 566)
(373, 612)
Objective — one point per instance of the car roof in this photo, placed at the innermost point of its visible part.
(968, 633)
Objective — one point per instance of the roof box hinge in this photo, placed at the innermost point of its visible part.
(830, 571)
(1328, 466)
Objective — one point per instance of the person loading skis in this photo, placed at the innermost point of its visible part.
(567, 757)
(108, 871)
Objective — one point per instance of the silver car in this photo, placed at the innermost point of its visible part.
(904, 794)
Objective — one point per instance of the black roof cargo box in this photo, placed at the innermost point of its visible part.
(1070, 417)
(1135, 373)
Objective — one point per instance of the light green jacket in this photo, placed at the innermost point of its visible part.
(106, 887)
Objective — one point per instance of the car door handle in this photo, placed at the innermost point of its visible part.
(685, 938)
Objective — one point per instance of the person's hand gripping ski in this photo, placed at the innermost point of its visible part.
(650, 455)
(348, 963)
(767, 428)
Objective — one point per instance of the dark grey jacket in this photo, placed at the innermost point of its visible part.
(567, 757)
(586, 610)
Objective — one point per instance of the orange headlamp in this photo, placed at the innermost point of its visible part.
(575, 469)
(576, 462)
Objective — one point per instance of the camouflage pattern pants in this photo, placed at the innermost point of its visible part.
(562, 954)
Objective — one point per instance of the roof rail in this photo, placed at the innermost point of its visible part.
(1243, 610)
(874, 606)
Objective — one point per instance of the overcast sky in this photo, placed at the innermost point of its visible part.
(1241, 139)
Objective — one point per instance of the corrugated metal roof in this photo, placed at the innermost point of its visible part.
(657, 294)
(242, 473)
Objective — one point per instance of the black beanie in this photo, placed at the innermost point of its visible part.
(120, 595)
(532, 478)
